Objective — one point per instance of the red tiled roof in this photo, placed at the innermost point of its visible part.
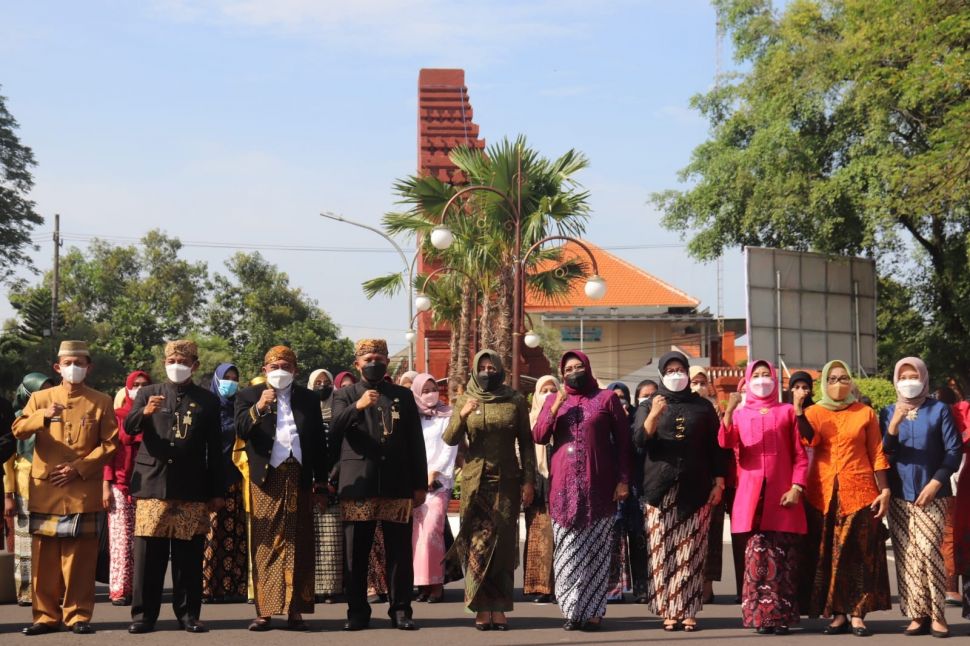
(626, 286)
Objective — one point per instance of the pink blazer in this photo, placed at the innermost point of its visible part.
(769, 451)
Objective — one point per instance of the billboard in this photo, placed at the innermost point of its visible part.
(804, 309)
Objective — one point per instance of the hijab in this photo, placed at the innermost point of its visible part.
(340, 377)
(591, 387)
(924, 376)
(221, 370)
(640, 387)
(474, 389)
(410, 374)
(123, 410)
(804, 377)
(440, 409)
(30, 384)
(538, 400)
(751, 400)
(827, 402)
(316, 373)
(684, 395)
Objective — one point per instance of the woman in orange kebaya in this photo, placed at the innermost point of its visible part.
(848, 492)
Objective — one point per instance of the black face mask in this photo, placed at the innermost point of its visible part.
(374, 371)
(324, 390)
(576, 380)
(490, 380)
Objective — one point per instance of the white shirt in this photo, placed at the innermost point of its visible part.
(287, 441)
(441, 457)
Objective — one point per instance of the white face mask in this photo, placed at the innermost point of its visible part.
(279, 379)
(676, 381)
(133, 392)
(74, 374)
(762, 386)
(909, 388)
(178, 373)
(700, 389)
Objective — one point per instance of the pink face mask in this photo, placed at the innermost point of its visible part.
(430, 399)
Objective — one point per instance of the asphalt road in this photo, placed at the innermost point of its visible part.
(448, 623)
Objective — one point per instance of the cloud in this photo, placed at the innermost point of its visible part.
(456, 31)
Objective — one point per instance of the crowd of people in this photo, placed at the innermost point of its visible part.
(288, 495)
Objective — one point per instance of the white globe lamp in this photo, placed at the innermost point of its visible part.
(422, 303)
(441, 237)
(410, 336)
(595, 287)
(532, 339)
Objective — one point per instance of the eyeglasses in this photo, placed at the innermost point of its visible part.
(844, 379)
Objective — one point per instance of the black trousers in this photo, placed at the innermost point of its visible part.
(399, 567)
(151, 557)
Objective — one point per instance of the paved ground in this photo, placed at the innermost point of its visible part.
(447, 623)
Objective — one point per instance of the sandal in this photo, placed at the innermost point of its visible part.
(670, 625)
(260, 625)
(690, 627)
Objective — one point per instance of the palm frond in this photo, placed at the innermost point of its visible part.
(388, 285)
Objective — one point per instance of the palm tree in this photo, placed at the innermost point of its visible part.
(553, 203)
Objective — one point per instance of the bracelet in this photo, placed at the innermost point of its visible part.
(797, 487)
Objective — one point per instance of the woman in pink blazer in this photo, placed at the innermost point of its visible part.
(772, 470)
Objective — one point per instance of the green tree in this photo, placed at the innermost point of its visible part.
(847, 135)
(17, 215)
(255, 308)
(553, 203)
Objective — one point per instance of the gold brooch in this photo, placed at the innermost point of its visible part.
(911, 415)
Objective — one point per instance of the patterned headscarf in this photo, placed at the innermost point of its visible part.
(279, 353)
(183, 347)
(367, 346)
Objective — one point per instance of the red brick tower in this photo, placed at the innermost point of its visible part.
(444, 123)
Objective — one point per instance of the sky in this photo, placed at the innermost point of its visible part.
(239, 121)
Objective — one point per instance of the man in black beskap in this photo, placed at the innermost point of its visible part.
(383, 476)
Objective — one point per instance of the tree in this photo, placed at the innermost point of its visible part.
(848, 135)
(255, 308)
(17, 215)
(552, 202)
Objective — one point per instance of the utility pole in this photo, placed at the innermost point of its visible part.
(57, 275)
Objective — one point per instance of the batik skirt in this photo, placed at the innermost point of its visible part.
(121, 532)
(851, 574)
(678, 551)
(917, 535)
(537, 557)
(282, 536)
(581, 561)
(21, 551)
(768, 594)
(225, 565)
(329, 533)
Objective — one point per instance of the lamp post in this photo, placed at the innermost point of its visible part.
(595, 287)
(422, 302)
(408, 272)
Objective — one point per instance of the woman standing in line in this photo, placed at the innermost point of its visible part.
(494, 419)
(767, 512)
(590, 474)
(225, 566)
(924, 448)
(538, 581)
(428, 533)
(16, 485)
(683, 479)
(848, 494)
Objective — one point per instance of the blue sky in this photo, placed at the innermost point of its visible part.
(239, 120)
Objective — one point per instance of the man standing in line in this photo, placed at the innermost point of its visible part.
(282, 426)
(383, 476)
(178, 479)
(76, 433)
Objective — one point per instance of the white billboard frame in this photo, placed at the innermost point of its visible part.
(804, 308)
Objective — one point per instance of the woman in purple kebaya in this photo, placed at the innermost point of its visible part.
(589, 473)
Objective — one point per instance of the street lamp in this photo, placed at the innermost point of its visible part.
(441, 237)
(531, 339)
(408, 272)
(595, 287)
(409, 336)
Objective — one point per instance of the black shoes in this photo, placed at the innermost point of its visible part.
(141, 627)
(124, 601)
(841, 629)
(572, 625)
(766, 630)
(479, 626)
(861, 631)
(82, 628)
(260, 625)
(782, 630)
(40, 629)
(542, 598)
(193, 626)
(356, 624)
(401, 621)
